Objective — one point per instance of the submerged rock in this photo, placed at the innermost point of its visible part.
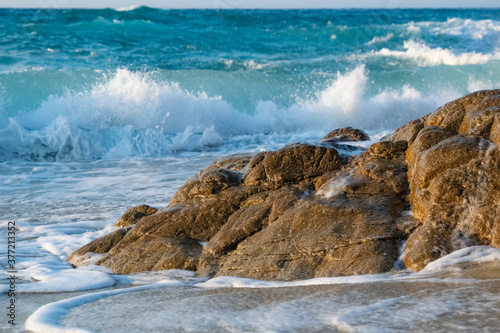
(308, 211)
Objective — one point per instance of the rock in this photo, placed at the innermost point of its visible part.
(208, 182)
(319, 238)
(346, 134)
(134, 214)
(171, 238)
(282, 219)
(99, 246)
(451, 116)
(375, 175)
(217, 177)
(307, 211)
(425, 139)
(388, 149)
(454, 179)
(408, 132)
(291, 164)
(151, 253)
(234, 162)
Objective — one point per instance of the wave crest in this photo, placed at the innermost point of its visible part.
(425, 56)
(132, 114)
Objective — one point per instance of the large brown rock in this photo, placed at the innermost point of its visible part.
(454, 177)
(389, 148)
(153, 253)
(307, 211)
(301, 211)
(339, 236)
(218, 176)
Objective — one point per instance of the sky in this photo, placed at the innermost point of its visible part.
(235, 4)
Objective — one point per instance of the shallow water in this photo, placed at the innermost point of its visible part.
(416, 306)
(461, 297)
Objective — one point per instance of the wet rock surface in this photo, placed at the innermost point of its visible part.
(346, 134)
(134, 214)
(454, 177)
(308, 211)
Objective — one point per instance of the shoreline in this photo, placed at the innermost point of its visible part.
(468, 283)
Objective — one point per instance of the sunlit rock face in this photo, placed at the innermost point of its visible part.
(309, 210)
(454, 175)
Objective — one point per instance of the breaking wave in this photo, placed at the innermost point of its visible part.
(425, 56)
(132, 114)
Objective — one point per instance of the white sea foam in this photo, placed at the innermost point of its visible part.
(46, 319)
(380, 39)
(159, 277)
(45, 274)
(333, 188)
(359, 308)
(413, 29)
(466, 29)
(476, 29)
(236, 282)
(251, 64)
(475, 84)
(41, 263)
(127, 9)
(60, 240)
(131, 114)
(468, 254)
(425, 56)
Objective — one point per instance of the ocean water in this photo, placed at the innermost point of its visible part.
(101, 110)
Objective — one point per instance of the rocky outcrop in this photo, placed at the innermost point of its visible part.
(454, 176)
(307, 210)
(298, 212)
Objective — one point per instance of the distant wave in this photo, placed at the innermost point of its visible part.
(380, 39)
(424, 55)
(127, 9)
(476, 29)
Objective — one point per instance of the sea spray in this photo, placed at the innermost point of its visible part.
(132, 114)
(154, 82)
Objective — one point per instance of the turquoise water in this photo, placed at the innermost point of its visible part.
(101, 110)
(87, 84)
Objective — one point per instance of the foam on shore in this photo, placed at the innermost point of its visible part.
(45, 319)
(400, 299)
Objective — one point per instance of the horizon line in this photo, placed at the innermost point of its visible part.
(131, 8)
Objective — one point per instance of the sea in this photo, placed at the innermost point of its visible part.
(105, 109)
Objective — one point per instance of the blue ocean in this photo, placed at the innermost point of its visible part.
(105, 109)
(94, 84)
